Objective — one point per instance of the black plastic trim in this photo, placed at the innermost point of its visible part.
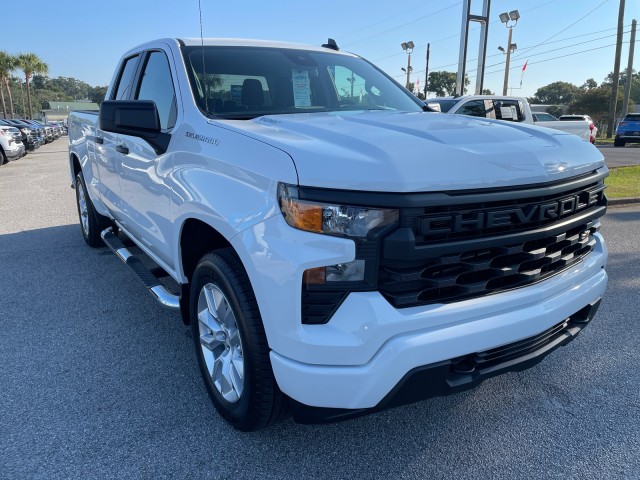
(449, 377)
(448, 198)
(397, 250)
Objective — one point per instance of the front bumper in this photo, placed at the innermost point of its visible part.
(357, 358)
(491, 326)
(15, 151)
(628, 137)
(462, 373)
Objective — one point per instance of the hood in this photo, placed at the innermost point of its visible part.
(417, 152)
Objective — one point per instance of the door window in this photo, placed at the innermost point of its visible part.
(156, 85)
(124, 80)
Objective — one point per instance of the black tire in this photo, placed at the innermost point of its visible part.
(95, 223)
(618, 143)
(3, 157)
(261, 403)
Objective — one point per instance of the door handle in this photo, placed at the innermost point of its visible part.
(99, 140)
(122, 149)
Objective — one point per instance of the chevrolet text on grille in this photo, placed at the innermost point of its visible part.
(518, 215)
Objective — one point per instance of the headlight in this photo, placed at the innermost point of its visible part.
(332, 219)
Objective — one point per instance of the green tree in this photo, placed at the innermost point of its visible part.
(30, 64)
(72, 87)
(7, 64)
(589, 84)
(444, 83)
(556, 93)
(555, 110)
(97, 94)
(595, 103)
(486, 91)
(608, 80)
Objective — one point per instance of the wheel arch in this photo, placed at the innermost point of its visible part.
(75, 168)
(196, 239)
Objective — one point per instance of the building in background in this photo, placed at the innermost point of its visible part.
(59, 111)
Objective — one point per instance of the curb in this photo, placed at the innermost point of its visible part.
(623, 202)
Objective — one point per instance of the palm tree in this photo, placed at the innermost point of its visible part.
(30, 63)
(7, 64)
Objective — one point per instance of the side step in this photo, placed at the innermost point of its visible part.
(160, 293)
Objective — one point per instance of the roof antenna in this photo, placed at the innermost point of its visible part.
(331, 43)
(204, 72)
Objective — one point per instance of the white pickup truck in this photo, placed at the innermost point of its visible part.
(512, 109)
(335, 249)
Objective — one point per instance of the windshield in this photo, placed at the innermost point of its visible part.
(246, 82)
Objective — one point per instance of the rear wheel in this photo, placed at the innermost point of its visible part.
(91, 222)
(618, 143)
(231, 345)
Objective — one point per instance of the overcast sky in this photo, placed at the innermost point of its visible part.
(86, 39)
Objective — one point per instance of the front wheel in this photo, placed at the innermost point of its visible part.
(618, 143)
(231, 345)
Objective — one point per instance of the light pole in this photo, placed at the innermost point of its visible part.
(512, 16)
(408, 48)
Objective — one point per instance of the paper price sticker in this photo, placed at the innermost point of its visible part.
(301, 88)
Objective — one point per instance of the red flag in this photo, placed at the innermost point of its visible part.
(524, 67)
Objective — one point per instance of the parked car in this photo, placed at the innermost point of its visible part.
(11, 146)
(512, 109)
(628, 130)
(49, 134)
(30, 138)
(35, 134)
(578, 118)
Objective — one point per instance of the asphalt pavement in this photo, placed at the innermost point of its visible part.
(97, 381)
(620, 156)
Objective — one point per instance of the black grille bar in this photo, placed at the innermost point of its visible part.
(468, 274)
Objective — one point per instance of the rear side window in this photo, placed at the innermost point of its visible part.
(156, 84)
(123, 84)
(544, 117)
(632, 117)
(508, 110)
(475, 108)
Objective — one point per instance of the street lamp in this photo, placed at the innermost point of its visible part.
(510, 20)
(408, 48)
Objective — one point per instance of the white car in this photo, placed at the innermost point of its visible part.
(585, 118)
(511, 109)
(11, 146)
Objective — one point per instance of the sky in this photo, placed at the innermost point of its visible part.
(85, 40)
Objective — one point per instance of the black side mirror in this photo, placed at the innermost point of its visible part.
(138, 118)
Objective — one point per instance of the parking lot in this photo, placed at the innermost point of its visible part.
(97, 381)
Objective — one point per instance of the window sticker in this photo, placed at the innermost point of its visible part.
(507, 113)
(301, 88)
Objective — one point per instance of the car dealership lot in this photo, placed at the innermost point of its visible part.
(97, 381)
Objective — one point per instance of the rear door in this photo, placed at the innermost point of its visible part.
(107, 158)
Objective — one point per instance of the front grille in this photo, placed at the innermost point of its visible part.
(488, 242)
(455, 246)
(473, 273)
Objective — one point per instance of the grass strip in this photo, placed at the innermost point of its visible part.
(623, 182)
